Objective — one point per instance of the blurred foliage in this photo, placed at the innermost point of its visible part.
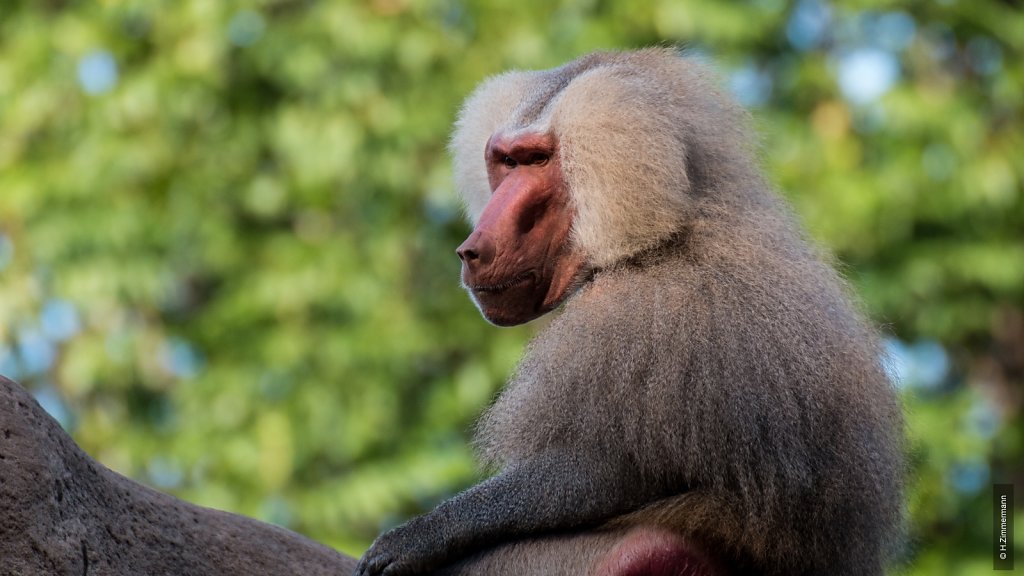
(226, 231)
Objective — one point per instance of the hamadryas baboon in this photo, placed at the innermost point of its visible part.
(707, 373)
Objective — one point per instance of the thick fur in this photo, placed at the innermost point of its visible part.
(712, 376)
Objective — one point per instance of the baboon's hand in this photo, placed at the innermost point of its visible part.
(412, 548)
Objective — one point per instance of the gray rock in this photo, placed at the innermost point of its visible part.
(62, 513)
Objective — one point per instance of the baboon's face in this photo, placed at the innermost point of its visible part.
(519, 262)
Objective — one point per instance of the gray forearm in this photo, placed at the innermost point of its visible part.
(536, 497)
(542, 495)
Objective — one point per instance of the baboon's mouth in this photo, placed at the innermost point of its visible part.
(502, 286)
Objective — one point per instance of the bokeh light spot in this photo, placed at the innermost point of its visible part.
(892, 31)
(181, 359)
(97, 72)
(36, 351)
(865, 74)
(245, 28)
(59, 320)
(808, 24)
(751, 86)
(984, 55)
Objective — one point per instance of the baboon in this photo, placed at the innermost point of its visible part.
(707, 375)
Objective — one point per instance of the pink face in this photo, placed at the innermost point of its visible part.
(519, 263)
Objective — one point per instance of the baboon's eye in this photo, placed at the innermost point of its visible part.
(509, 162)
(537, 159)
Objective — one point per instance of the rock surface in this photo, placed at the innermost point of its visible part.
(62, 513)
